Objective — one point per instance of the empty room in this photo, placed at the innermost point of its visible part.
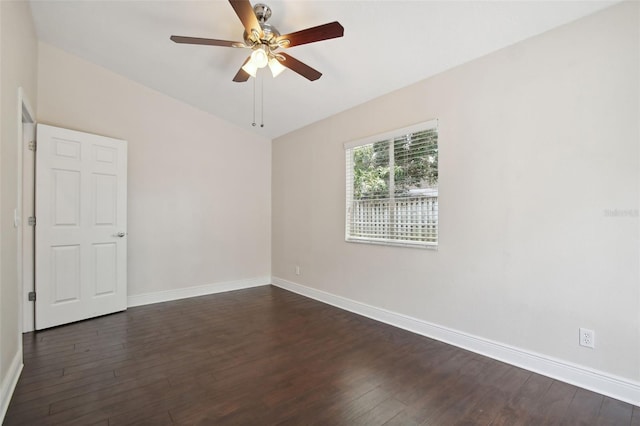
(319, 212)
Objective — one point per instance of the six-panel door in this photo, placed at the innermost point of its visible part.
(81, 225)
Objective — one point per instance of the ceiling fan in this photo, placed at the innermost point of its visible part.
(264, 39)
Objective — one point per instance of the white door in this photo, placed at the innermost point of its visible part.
(81, 226)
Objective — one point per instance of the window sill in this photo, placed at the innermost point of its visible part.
(394, 243)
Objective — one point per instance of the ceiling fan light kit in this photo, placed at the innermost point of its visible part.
(264, 39)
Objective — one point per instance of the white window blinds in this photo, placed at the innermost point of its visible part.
(392, 187)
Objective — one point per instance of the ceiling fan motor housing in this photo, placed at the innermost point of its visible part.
(269, 32)
(262, 11)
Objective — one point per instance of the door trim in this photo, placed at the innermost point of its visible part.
(26, 116)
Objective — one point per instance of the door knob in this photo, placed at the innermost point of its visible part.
(120, 234)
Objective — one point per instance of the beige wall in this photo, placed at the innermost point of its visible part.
(537, 142)
(18, 63)
(199, 188)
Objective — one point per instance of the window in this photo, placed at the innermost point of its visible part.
(392, 187)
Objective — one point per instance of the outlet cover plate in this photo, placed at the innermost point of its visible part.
(587, 338)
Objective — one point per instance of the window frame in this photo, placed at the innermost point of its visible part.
(369, 140)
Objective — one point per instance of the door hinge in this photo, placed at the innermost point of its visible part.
(32, 296)
(31, 221)
(33, 145)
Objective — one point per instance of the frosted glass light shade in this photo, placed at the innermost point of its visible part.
(259, 58)
(250, 69)
(276, 67)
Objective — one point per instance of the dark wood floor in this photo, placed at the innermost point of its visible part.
(266, 356)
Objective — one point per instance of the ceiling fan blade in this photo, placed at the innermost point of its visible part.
(242, 75)
(301, 68)
(311, 35)
(247, 16)
(206, 41)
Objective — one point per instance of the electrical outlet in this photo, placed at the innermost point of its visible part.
(587, 338)
(297, 269)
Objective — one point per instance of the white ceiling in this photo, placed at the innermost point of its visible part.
(386, 45)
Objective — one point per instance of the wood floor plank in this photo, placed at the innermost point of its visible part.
(614, 413)
(380, 414)
(189, 396)
(100, 395)
(553, 406)
(73, 391)
(410, 387)
(585, 407)
(522, 406)
(27, 396)
(431, 397)
(496, 395)
(472, 389)
(346, 411)
(635, 418)
(90, 407)
(160, 419)
(265, 356)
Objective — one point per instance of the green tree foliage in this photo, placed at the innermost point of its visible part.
(415, 159)
(371, 171)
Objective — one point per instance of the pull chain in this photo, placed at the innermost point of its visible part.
(261, 102)
(253, 123)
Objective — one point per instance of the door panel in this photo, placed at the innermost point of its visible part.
(65, 274)
(105, 269)
(65, 197)
(105, 193)
(81, 249)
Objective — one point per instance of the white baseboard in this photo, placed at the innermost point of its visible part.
(201, 290)
(616, 387)
(9, 383)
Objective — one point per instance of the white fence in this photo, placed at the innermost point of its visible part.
(405, 219)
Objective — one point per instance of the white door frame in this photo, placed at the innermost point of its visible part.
(26, 133)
